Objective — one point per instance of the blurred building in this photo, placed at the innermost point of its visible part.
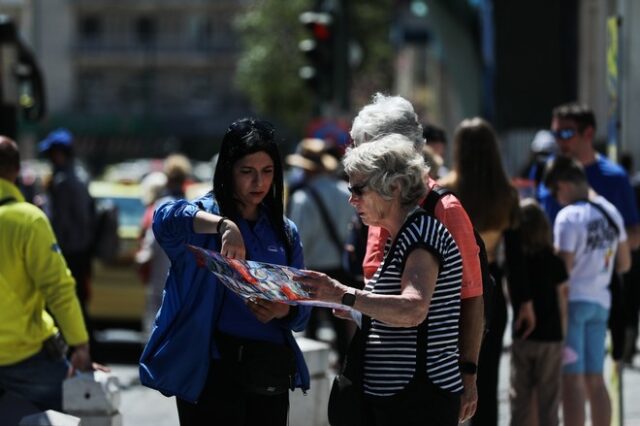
(512, 62)
(147, 77)
(140, 69)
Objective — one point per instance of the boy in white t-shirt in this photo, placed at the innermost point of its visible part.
(590, 237)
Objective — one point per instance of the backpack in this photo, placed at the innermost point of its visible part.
(355, 248)
(106, 241)
(488, 283)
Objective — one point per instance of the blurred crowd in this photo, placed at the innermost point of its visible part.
(561, 241)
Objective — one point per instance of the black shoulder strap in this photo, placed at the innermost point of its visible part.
(325, 218)
(606, 216)
(6, 200)
(434, 195)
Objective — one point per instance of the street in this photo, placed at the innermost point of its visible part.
(145, 407)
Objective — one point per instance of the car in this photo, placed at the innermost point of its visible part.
(117, 292)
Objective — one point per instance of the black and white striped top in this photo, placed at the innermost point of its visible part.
(390, 353)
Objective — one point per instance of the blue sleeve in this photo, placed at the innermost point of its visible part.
(548, 203)
(297, 321)
(173, 226)
(627, 203)
(297, 258)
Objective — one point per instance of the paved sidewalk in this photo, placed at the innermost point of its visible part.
(144, 407)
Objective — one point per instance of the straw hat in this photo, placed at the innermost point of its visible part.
(312, 155)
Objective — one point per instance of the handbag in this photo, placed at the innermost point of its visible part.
(260, 367)
(345, 400)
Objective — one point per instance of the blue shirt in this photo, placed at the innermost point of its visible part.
(607, 179)
(176, 359)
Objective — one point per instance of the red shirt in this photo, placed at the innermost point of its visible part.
(450, 212)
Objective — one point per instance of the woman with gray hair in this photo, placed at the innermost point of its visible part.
(387, 115)
(411, 307)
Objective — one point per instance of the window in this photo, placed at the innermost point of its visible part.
(200, 31)
(145, 30)
(91, 28)
(93, 95)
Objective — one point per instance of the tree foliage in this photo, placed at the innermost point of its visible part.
(269, 61)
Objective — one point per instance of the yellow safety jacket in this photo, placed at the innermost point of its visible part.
(33, 274)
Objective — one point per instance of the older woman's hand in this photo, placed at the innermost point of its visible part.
(322, 287)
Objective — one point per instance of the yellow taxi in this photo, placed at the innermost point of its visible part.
(117, 292)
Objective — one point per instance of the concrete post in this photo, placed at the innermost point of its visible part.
(94, 397)
(50, 418)
(311, 409)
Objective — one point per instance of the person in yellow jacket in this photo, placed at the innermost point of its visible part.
(34, 275)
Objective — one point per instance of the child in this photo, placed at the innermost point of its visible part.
(590, 237)
(536, 360)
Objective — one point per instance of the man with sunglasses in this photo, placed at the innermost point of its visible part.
(574, 127)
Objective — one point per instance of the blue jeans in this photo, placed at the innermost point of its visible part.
(585, 339)
(37, 379)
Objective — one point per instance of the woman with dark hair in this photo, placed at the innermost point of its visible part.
(481, 183)
(228, 360)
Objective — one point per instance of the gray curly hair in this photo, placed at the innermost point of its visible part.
(386, 115)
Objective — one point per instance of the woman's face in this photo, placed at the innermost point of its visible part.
(252, 180)
(371, 207)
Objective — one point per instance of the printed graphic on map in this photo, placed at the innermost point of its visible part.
(250, 279)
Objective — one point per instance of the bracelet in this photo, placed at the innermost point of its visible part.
(220, 222)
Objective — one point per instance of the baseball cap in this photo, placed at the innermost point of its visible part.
(59, 137)
(544, 142)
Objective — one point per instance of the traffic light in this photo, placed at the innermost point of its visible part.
(318, 48)
(21, 82)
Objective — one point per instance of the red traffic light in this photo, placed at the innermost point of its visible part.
(321, 32)
(319, 23)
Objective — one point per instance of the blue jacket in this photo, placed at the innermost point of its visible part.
(176, 359)
(607, 179)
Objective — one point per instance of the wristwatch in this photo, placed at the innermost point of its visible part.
(349, 298)
(468, 367)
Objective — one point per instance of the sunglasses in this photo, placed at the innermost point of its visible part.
(564, 134)
(245, 127)
(357, 190)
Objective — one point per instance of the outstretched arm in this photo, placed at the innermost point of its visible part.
(408, 309)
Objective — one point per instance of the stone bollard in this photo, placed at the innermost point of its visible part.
(311, 409)
(94, 397)
(49, 418)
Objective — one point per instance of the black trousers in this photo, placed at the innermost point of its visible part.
(616, 318)
(490, 354)
(631, 302)
(224, 402)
